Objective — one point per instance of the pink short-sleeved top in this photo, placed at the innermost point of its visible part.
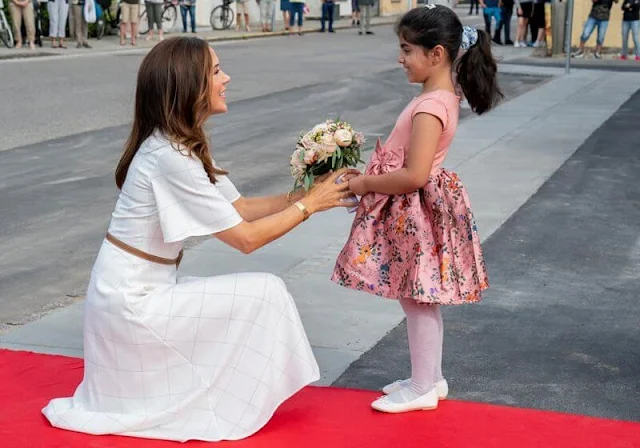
(393, 154)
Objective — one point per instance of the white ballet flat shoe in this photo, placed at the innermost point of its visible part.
(442, 388)
(426, 402)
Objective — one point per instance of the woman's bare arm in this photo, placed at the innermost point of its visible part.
(250, 236)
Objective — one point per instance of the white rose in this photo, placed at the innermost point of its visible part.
(329, 144)
(320, 128)
(343, 137)
(307, 140)
(295, 157)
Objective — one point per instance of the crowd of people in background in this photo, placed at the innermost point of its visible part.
(532, 20)
(67, 17)
(497, 14)
(599, 19)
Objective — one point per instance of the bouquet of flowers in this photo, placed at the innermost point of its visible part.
(329, 146)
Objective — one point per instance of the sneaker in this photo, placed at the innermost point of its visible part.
(442, 388)
(509, 42)
(497, 41)
(597, 55)
(578, 54)
(637, 58)
(370, 33)
(623, 57)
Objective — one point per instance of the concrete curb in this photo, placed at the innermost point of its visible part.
(256, 35)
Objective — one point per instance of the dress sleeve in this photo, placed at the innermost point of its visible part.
(435, 107)
(227, 188)
(188, 203)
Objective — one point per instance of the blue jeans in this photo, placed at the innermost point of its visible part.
(327, 13)
(296, 8)
(591, 25)
(633, 26)
(488, 13)
(191, 9)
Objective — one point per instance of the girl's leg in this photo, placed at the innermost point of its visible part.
(440, 342)
(425, 347)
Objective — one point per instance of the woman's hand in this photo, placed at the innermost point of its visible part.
(358, 185)
(329, 194)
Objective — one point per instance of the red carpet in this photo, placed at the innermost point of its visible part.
(314, 418)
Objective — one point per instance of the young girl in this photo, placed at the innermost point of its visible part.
(414, 238)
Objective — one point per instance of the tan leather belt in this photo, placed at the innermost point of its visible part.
(140, 254)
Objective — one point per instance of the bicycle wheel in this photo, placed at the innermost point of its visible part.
(221, 18)
(143, 23)
(5, 33)
(169, 18)
(6, 37)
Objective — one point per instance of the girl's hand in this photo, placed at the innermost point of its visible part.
(328, 194)
(351, 172)
(520, 11)
(358, 185)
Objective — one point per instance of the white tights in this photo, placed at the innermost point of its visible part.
(425, 333)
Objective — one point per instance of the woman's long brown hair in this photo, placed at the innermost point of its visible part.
(173, 97)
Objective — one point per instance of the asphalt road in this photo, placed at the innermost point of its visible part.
(558, 329)
(61, 145)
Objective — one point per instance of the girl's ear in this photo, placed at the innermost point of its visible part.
(438, 53)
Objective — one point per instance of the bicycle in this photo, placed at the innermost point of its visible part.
(106, 22)
(169, 18)
(6, 35)
(221, 17)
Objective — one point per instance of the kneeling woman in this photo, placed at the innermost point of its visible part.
(187, 358)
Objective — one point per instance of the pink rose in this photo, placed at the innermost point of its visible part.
(310, 156)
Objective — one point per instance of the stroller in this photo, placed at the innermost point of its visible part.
(105, 21)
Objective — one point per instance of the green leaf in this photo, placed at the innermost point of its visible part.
(307, 181)
(334, 159)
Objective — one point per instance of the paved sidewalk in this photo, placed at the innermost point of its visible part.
(111, 44)
(503, 157)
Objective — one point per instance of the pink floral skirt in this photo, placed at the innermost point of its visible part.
(422, 245)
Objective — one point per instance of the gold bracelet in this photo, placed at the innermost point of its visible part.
(303, 209)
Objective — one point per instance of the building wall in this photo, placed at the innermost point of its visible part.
(394, 7)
